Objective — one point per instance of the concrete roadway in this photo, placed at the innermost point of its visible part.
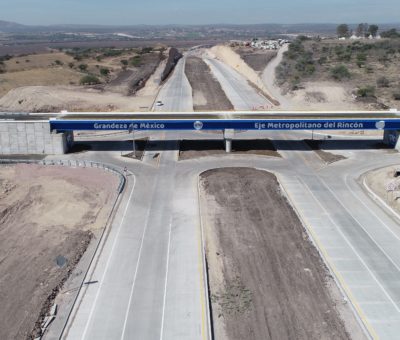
(236, 87)
(150, 270)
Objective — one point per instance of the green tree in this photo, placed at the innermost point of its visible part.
(361, 30)
(342, 30)
(89, 80)
(392, 33)
(373, 30)
(366, 92)
(340, 72)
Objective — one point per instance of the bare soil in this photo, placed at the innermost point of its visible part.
(381, 180)
(190, 149)
(45, 213)
(256, 59)
(131, 80)
(207, 91)
(49, 81)
(266, 278)
(326, 156)
(367, 61)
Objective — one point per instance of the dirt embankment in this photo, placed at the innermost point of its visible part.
(130, 81)
(47, 214)
(267, 279)
(173, 58)
(385, 183)
(58, 98)
(207, 91)
(256, 59)
(49, 82)
(231, 58)
(192, 149)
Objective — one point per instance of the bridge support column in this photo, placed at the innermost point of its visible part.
(228, 136)
(391, 138)
(228, 145)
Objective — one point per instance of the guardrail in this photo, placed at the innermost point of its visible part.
(73, 164)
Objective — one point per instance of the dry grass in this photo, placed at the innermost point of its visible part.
(35, 61)
(38, 76)
(366, 61)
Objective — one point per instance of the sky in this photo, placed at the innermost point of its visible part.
(134, 12)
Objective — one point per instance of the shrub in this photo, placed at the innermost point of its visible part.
(104, 71)
(112, 53)
(382, 82)
(71, 65)
(58, 62)
(135, 61)
(340, 72)
(146, 50)
(89, 80)
(83, 67)
(124, 62)
(366, 92)
(396, 95)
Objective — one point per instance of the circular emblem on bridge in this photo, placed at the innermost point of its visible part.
(198, 125)
(380, 125)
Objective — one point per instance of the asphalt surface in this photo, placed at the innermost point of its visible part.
(150, 277)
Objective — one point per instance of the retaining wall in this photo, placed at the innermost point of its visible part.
(32, 137)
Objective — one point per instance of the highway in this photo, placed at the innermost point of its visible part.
(240, 93)
(150, 270)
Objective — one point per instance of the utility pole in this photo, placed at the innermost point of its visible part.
(133, 142)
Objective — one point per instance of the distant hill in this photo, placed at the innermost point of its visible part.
(250, 29)
(11, 27)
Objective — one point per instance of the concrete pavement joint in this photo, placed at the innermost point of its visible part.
(369, 235)
(166, 279)
(357, 255)
(340, 282)
(108, 262)
(135, 275)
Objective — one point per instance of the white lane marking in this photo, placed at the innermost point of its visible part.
(166, 281)
(108, 263)
(351, 246)
(135, 275)
(379, 219)
(355, 219)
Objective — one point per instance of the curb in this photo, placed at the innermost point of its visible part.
(206, 287)
(336, 276)
(376, 198)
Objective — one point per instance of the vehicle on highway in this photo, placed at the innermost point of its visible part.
(159, 103)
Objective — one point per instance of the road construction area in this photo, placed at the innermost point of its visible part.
(47, 219)
(267, 280)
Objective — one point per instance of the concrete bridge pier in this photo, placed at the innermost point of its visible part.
(391, 138)
(228, 136)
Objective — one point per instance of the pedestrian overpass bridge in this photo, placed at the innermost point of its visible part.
(20, 131)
